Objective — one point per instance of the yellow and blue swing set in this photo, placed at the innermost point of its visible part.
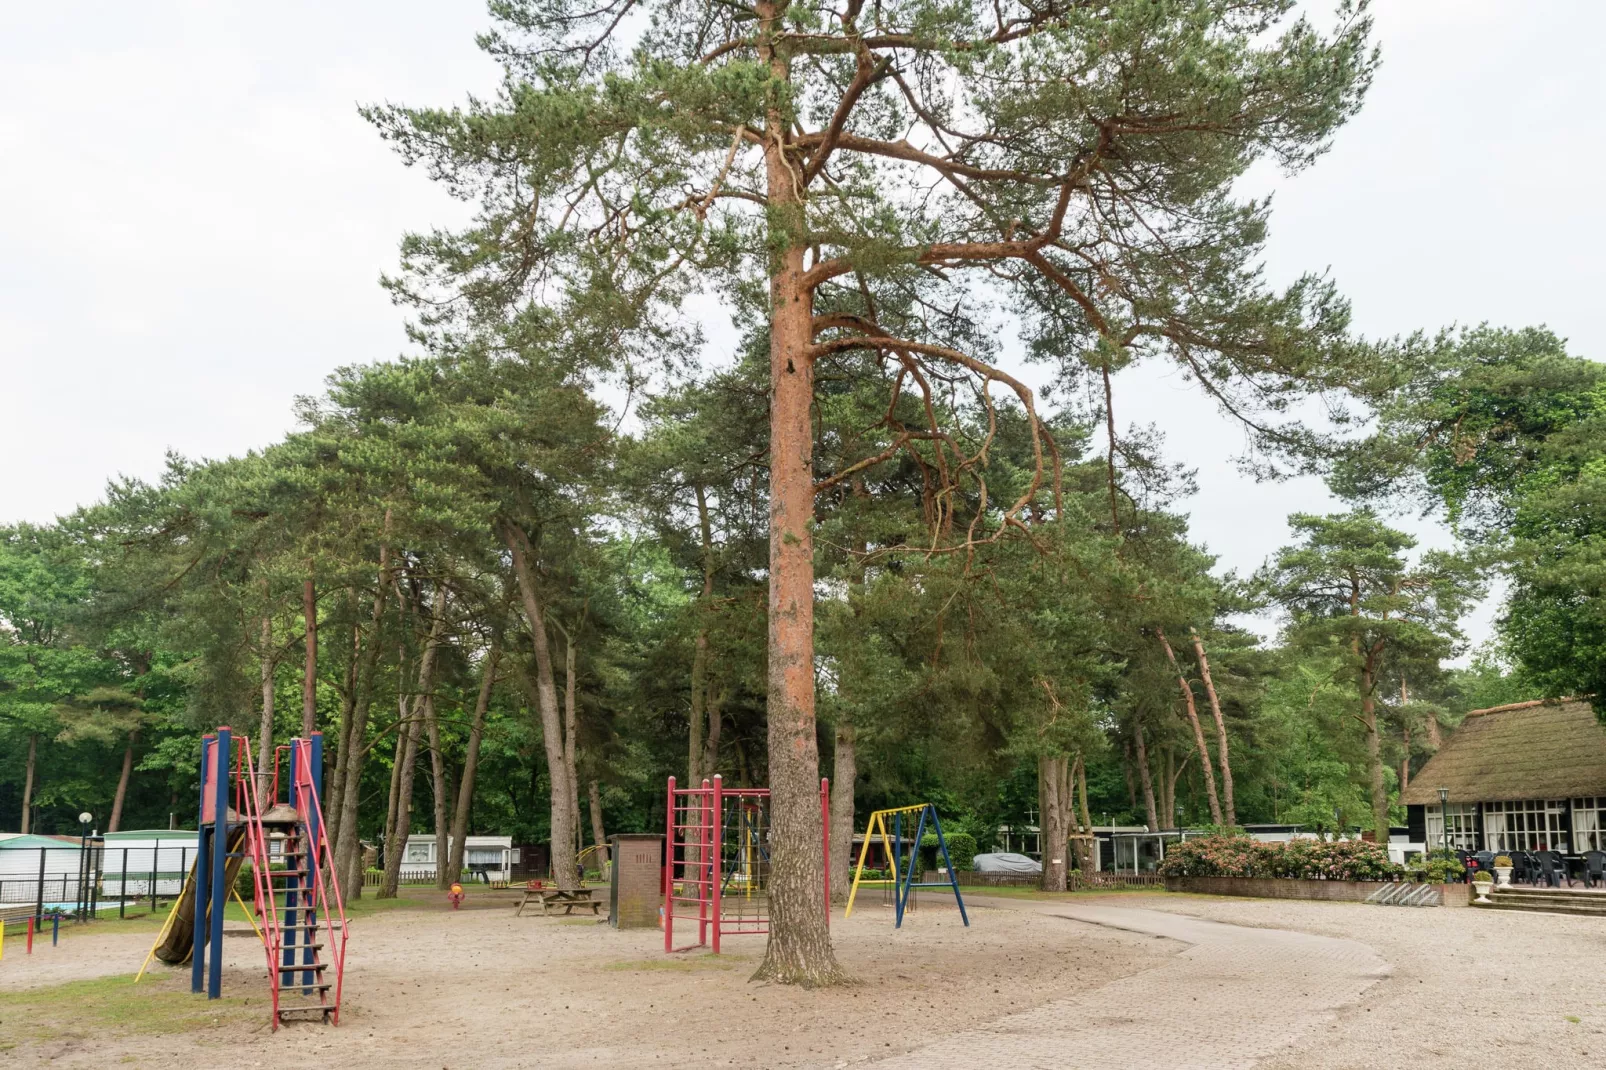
(890, 825)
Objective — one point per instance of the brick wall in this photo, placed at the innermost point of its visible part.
(638, 876)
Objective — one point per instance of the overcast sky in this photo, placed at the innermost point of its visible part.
(193, 220)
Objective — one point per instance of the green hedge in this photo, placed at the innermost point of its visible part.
(1239, 856)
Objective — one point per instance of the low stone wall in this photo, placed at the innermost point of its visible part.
(1450, 895)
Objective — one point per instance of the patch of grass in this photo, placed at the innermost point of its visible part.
(1574, 1019)
(84, 1009)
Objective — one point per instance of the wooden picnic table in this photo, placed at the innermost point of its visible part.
(552, 898)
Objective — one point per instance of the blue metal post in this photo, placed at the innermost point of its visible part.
(314, 747)
(203, 872)
(222, 753)
(897, 851)
(948, 863)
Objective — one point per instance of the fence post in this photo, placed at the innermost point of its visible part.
(122, 890)
(39, 902)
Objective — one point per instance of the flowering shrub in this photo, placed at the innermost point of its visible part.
(1240, 856)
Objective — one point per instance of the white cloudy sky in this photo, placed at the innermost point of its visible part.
(193, 219)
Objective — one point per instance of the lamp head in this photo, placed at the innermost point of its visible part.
(85, 818)
(1444, 796)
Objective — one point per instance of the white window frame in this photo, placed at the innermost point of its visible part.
(1527, 825)
(1589, 824)
(1463, 827)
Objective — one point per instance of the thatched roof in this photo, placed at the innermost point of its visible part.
(1527, 750)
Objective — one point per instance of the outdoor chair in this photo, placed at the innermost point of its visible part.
(1552, 869)
(1594, 868)
(1485, 861)
(1522, 867)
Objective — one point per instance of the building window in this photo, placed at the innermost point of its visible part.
(1530, 825)
(420, 853)
(1463, 827)
(1589, 824)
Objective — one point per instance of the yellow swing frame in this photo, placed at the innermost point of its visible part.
(878, 823)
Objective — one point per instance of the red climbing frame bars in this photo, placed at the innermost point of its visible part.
(717, 837)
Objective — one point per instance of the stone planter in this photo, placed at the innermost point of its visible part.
(1482, 890)
(1502, 875)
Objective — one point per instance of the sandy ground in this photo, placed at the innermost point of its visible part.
(1468, 987)
(479, 988)
(429, 988)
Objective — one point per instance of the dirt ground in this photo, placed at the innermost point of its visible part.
(479, 988)
(1468, 987)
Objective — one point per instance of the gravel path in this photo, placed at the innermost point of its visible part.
(1233, 997)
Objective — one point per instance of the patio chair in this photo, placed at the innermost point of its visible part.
(1521, 867)
(1552, 869)
(1594, 868)
(1485, 861)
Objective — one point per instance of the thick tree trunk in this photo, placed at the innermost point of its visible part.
(264, 784)
(1198, 730)
(471, 759)
(1168, 790)
(27, 782)
(116, 821)
(1147, 779)
(348, 857)
(844, 772)
(309, 665)
(546, 696)
(716, 706)
(1229, 808)
(799, 948)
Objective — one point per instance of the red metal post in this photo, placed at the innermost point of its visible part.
(30, 932)
(669, 874)
(704, 820)
(718, 836)
(825, 819)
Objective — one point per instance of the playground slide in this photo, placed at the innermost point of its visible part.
(180, 942)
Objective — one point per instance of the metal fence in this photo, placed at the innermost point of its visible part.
(87, 880)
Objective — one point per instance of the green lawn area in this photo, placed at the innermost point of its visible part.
(115, 1005)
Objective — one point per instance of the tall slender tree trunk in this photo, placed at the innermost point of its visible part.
(696, 768)
(1230, 809)
(1126, 768)
(27, 782)
(264, 785)
(393, 803)
(715, 705)
(1054, 809)
(1090, 846)
(309, 666)
(570, 758)
(418, 717)
(546, 696)
(598, 835)
(116, 821)
(1198, 730)
(335, 789)
(1147, 779)
(1168, 789)
(844, 772)
(1374, 756)
(444, 874)
(471, 759)
(348, 859)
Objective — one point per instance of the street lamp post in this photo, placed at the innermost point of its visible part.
(1444, 818)
(82, 906)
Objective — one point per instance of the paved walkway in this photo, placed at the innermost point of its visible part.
(1234, 996)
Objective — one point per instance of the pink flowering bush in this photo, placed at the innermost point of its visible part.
(1240, 856)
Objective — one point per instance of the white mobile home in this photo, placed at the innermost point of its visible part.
(484, 857)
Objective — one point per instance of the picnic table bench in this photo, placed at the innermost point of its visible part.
(552, 898)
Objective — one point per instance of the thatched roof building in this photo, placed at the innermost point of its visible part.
(1528, 776)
